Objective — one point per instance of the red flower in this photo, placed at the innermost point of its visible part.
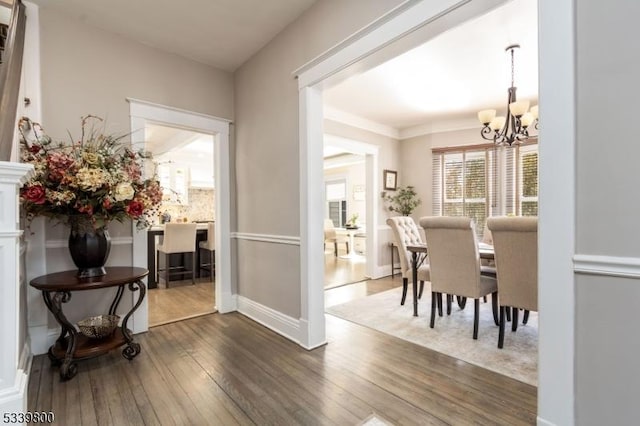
(35, 148)
(106, 204)
(85, 208)
(134, 209)
(34, 194)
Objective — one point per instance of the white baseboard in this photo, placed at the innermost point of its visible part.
(543, 422)
(41, 338)
(382, 271)
(14, 398)
(280, 323)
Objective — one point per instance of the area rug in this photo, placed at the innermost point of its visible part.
(453, 334)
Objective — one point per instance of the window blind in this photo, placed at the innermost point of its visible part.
(482, 181)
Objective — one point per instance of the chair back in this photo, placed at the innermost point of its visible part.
(210, 244)
(329, 230)
(454, 255)
(515, 241)
(405, 233)
(179, 237)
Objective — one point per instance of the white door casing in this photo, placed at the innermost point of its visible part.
(142, 112)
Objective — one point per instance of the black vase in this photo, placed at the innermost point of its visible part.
(89, 249)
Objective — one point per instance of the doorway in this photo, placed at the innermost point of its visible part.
(356, 163)
(183, 161)
(144, 114)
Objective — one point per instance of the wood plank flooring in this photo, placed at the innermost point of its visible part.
(182, 300)
(339, 271)
(226, 369)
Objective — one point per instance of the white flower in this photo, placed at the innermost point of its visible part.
(124, 191)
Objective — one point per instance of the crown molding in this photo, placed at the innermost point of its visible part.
(353, 120)
(440, 126)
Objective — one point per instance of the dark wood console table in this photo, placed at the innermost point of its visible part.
(72, 345)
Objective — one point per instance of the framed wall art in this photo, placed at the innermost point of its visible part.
(390, 178)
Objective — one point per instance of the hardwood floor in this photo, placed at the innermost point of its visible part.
(347, 293)
(226, 369)
(180, 301)
(339, 271)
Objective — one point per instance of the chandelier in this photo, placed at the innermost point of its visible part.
(514, 128)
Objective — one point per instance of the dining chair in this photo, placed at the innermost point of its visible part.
(178, 238)
(405, 232)
(455, 264)
(209, 245)
(330, 236)
(515, 242)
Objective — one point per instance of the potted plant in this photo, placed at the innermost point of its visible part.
(404, 201)
(352, 223)
(86, 184)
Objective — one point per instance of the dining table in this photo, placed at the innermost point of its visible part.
(419, 254)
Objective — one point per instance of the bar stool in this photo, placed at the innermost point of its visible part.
(210, 246)
(178, 238)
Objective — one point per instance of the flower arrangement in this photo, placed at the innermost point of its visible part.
(92, 180)
(404, 201)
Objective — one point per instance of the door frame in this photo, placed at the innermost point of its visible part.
(143, 112)
(408, 26)
(370, 153)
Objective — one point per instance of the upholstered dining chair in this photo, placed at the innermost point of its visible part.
(455, 264)
(405, 232)
(515, 242)
(178, 238)
(209, 246)
(330, 236)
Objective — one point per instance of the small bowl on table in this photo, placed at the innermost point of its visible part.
(99, 327)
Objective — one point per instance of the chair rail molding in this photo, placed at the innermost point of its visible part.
(613, 266)
(118, 241)
(267, 238)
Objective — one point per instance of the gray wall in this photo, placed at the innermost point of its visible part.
(416, 161)
(88, 71)
(607, 343)
(267, 154)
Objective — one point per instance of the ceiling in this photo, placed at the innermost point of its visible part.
(183, 148)
(450, 77)
(220, 33)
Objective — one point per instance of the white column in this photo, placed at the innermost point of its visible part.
(15, 355)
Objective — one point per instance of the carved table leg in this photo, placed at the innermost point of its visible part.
(69, 367)
(132, 349)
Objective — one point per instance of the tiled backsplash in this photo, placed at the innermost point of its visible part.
(201, 206)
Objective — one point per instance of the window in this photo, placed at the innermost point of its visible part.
(528, 181)
(483, 181)
(336, 200)
(460, 184)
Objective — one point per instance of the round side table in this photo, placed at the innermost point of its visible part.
(71, 345)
